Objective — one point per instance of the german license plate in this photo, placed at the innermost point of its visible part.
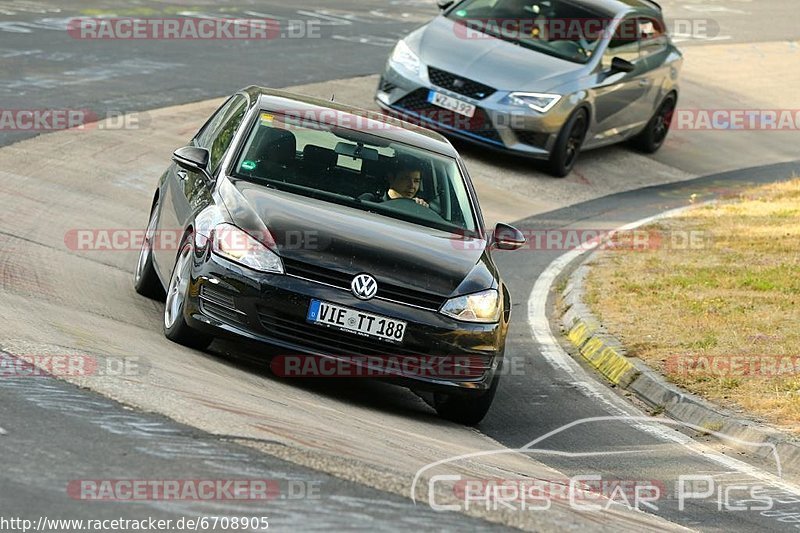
(355, 321)
(452, 104)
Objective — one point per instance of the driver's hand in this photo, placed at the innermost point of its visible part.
(421, 202)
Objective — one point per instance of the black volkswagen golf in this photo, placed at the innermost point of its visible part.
(334, 233)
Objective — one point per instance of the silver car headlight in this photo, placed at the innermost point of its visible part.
(403, 56)
(235, 245)
(481, 306)
(541, 102)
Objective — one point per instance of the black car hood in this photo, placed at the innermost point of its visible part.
(352, 241)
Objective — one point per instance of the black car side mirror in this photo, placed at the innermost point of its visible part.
(193, 159)
(508, 237)
(621, 65)
(444, 4)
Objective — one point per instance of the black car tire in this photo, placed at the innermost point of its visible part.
(175, 327)
(465, 408)
(655, 133)
(145, 279)
(568, 144)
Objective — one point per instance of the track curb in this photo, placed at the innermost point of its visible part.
(606, 354)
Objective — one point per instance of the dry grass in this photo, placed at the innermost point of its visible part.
(739, 295)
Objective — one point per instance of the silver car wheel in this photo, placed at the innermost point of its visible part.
(176, 294)
(147, 246)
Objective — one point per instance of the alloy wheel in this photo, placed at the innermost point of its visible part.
(575, 141)
(147, 246)
(663, 121)
(177, 287)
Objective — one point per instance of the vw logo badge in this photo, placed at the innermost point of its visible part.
(458, 84)
(364, 286)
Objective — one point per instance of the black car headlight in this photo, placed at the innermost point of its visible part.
(481, 306)
(235, 245)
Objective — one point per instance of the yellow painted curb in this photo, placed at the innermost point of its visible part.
(604, 358)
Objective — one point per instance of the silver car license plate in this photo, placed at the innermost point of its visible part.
(452, 104)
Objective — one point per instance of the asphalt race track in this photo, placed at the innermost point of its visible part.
(343, 453)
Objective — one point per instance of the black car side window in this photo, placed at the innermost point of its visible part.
(221, 140)
(212, 124)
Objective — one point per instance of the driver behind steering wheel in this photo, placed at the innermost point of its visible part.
(404, 181)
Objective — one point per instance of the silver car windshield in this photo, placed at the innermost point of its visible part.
(555, 27)
(359, 169)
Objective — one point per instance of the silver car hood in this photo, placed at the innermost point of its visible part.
(494, 62)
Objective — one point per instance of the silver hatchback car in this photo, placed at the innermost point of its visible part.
(540, 78)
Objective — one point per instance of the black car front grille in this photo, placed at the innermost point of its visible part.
(220, 305)
(317, 273)
(458, 84)
(479, 124)
(532, 138)
(326, 340)
(339, 343)
(343, 280)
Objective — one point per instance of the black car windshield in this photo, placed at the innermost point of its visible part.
(357, 168)
(556, 27)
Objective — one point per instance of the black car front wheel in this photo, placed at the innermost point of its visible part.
(655, 133)
(175, 327)
(465, 408)
(568, 144)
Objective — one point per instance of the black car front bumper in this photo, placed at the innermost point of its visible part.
(229, 300)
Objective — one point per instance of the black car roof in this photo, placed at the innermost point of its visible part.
(374, 122)
(613, 8)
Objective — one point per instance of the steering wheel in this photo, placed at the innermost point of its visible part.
(569, 48)
(402, 199)
(409, 204)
